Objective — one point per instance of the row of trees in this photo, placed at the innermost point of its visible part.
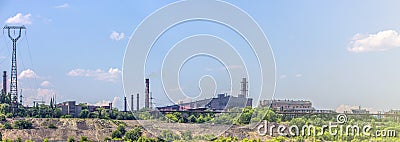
(247, 116)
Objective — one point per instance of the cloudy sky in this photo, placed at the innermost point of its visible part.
(334, 53)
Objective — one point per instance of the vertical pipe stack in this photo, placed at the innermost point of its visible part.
(4, 82)
(147, 93)
(125, 104)
(243, 88)
(137, 101)
(132, 103)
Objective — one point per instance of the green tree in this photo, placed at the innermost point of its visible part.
(116, 134)
(172, 117)
(84, 113)
(134, 134)
(121, 128)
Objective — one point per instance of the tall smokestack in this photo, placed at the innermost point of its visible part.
(243, 88)
(132, 103)
(137, 101)
(4, 82)
(147, 91)
(125, 104)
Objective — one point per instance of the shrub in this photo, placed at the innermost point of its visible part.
(52, 126)
(84, 139)
(7, 125)
(186, 135)
(23, 124)
(70, 139)
(134, 134)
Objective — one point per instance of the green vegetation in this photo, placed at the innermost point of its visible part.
(134, 134)
(22, 124)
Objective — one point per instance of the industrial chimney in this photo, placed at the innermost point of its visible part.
(137, 101)
(147, 94)
(125, 104)
(243, 89)
(131, 102)
(4, 82)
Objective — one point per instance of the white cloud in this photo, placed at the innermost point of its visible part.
(27, 74)
(299, 75)
(117, 36)
(282, 76)
(382, 41)
(65, 5)
(30, 95)
(112, 75)
(101, 103)
(46, 84)
(45, 93)
(20, 19)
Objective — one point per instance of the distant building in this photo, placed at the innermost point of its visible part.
(393, 111)
(288, 105)
(359, 111)
(222, 102)
(92, 108)
(70, 108)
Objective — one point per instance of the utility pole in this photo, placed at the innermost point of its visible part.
(14, 72)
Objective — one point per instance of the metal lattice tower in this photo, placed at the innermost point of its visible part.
(14, 72)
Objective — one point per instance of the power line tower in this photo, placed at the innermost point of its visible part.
(14, 73)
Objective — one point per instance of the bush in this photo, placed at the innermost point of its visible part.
(7, 125)
(70, 139)
(186, 135)
(2, 117)
(23, 124)
(52, 126)
(134, 134)
(84, 139)
(107, 139)
(116, 134)
(168, 135)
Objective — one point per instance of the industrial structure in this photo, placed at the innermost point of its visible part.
(73, 109)
(222, 102)
(288, 105)
(13, 96)
(147, 94)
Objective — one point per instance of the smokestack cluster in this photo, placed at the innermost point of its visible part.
(147, 94)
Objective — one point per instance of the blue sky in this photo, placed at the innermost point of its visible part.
(334, 53)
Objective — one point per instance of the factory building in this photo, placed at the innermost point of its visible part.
(288, 105)
(220, 103)
(71, 108)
